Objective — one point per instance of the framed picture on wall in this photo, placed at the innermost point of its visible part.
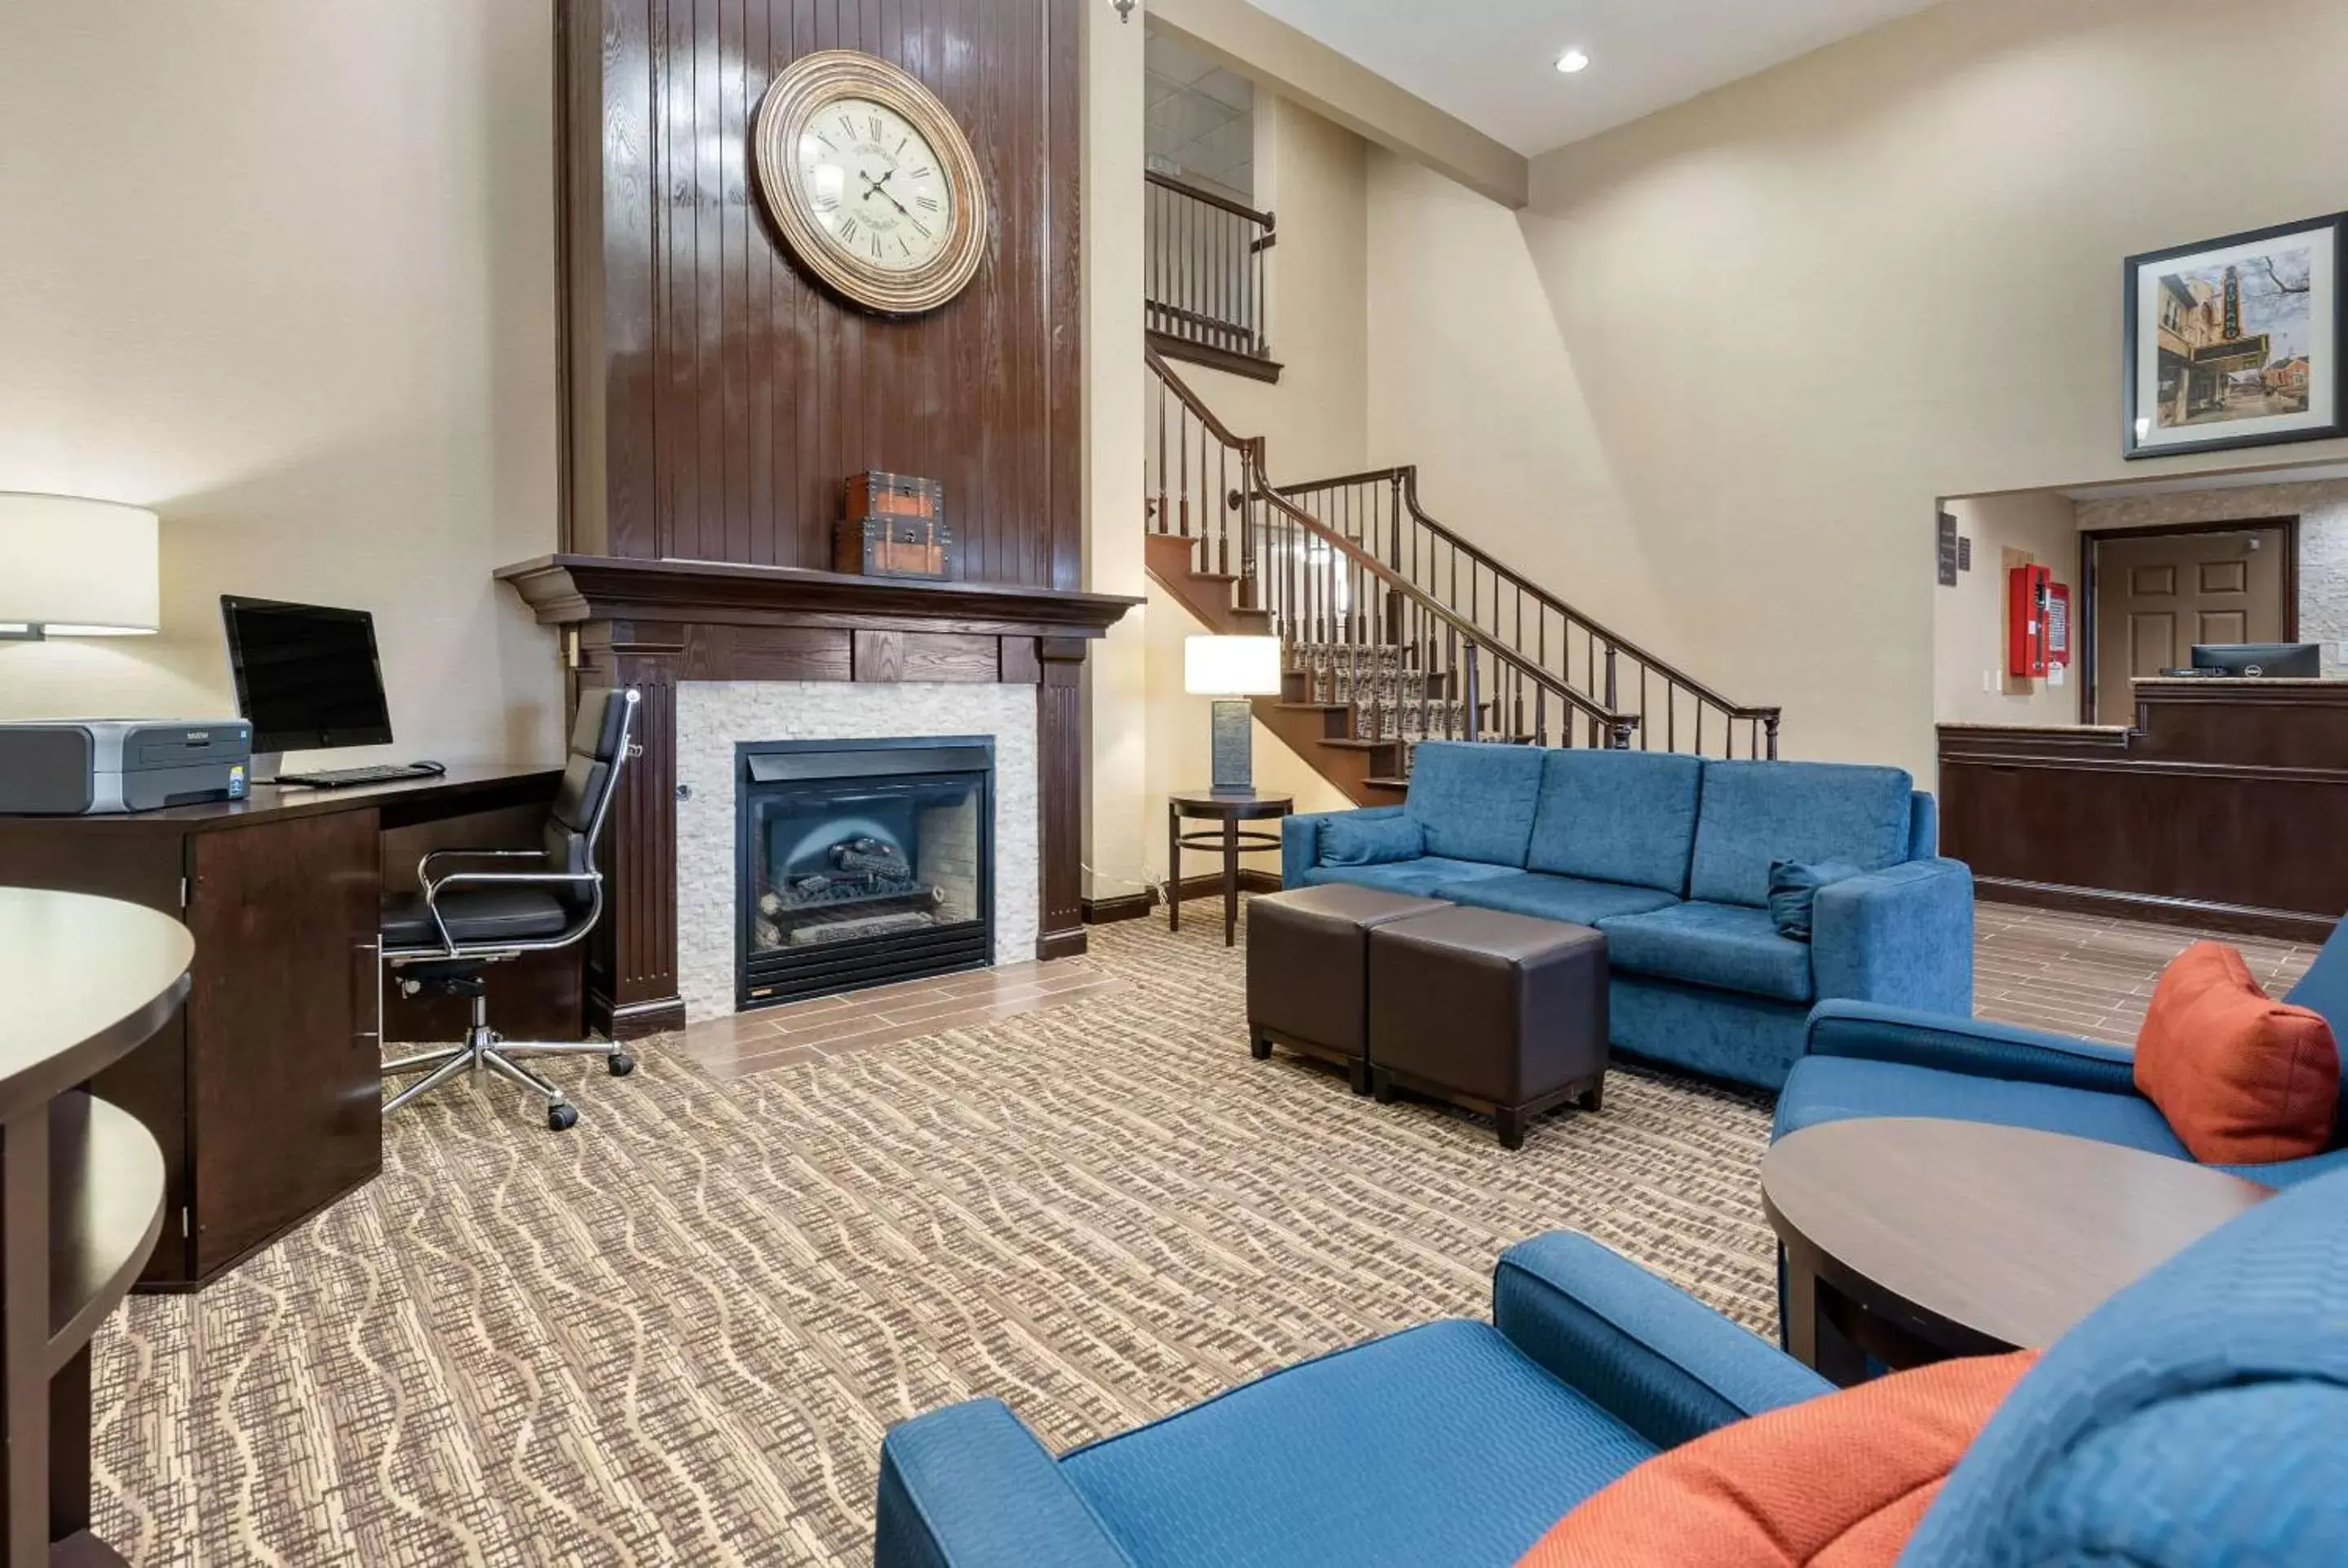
(2237, 342)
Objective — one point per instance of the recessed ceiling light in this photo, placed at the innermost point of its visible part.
(1572, 61)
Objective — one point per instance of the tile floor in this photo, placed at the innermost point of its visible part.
(2091, 976)
(838, 1025)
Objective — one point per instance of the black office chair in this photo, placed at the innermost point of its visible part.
(463, 922)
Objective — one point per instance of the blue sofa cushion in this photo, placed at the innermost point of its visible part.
(1838, 1087)
(1418, 877)
(1755, 813)
(1443, 1443)
(1724, 945)
(1568, 898)
(1381, 841)
(1617, 817)
(1793, 889)
(1475, 799)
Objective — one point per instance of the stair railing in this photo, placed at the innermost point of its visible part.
(1348, 620)
(1379, 512)
(1203, 268)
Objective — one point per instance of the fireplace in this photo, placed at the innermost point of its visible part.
(862, 861)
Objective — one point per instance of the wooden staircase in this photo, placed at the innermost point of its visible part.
(1393, 628)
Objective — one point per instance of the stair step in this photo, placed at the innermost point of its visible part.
(1314, 707)
(1224, 579)
(1400, 786)
(1343, 743)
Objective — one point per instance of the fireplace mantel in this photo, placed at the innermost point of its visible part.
(651, 624)
(569, 590)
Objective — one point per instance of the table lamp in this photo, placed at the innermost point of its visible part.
(1231, 669)
(76, 567)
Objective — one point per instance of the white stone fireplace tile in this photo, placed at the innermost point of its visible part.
(714, 716)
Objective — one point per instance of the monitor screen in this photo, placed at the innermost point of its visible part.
(2275, 660)
(305, 675)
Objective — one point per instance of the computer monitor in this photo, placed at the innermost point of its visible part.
(306, 676)
(2275, 660)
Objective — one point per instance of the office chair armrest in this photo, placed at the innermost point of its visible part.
(424, 866)
(433, 888)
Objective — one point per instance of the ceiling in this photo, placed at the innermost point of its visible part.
(1492, 63)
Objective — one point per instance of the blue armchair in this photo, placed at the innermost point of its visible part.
(1870, 1060)
(1454, 1443)
(2199, 1418)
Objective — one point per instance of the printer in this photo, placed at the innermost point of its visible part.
(80, 767)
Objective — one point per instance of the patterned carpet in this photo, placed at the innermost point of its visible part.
(675, 1334)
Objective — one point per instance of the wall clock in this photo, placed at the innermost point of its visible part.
(873, 185)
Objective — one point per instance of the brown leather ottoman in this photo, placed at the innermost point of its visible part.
(1500, 1013)
(1307, 969)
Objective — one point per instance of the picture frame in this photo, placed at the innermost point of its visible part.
(2237, 342)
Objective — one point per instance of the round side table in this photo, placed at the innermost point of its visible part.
(1912, 1239)
(1229, 811)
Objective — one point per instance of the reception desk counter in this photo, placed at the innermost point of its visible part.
(2224, 804)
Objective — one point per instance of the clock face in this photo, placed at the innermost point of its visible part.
(874, 185)
(870, 183)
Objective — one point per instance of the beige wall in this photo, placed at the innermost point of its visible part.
(1180, 749)
(2322, 513)
(1775, 322)
(1314, 177)
(286, 273)
(1116, 673)
(1969, 621)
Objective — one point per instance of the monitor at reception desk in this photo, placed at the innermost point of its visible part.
(2219, 806)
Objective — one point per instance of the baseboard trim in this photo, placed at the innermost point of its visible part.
(2237, 920)
(1060, 944)
(1209, 884)
(663, 1014)
(1124, 906)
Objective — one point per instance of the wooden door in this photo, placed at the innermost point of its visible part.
(284, 1068)
(2156, 595)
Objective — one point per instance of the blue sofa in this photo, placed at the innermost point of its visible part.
(2199, 1418)
(1868, 1060)
(1669, 856)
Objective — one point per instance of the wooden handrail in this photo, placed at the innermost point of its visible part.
(1406, 475)
(1251, 448)
(1197, 193)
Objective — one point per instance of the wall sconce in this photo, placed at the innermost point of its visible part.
(77, 568)
(1124, 9)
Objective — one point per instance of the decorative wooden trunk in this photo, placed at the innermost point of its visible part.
(895, 527)
(896, 546)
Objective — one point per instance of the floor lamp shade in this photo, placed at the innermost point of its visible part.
(1231, 669)
(75, 568)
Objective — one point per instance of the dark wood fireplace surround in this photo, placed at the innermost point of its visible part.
(716, 397)
(651, 624)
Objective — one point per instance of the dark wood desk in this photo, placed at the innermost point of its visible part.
(81, 1187)
(263, 1093)
(2220, 806)
(1914, 1240)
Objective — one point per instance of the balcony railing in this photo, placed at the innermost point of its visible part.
(1205, 275)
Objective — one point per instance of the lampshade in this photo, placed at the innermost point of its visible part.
(1231, 666)
(73, 567)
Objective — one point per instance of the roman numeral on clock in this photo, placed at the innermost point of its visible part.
(919, 228)
(927, 203)
(874, 121)
(848, 126)
(921, 173)
(876, 246)
(847, 228)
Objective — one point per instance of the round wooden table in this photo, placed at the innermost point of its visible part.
(1229, 810)
(1914, 1239)
(85, 980)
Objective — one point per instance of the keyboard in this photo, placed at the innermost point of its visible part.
(344, 778)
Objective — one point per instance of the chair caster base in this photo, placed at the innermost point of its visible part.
(561, 1117)
(620, 1063)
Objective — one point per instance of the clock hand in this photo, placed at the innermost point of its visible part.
(873, 188)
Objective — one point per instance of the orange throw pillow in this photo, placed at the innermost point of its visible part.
(2243, 1079)
(1838, 1482)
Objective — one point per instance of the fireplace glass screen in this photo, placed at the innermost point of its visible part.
(863, 865)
